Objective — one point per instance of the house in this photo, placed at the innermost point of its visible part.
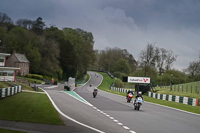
(7, 73)
(19, 61)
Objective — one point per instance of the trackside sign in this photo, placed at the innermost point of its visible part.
(139, 80)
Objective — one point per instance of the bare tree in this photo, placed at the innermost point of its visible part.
(155, 57)
(5, 19)
(148, 58)
(170, 58)
(194, 68)
(161, 56)
(25, 23)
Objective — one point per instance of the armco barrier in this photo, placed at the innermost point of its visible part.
(119, 89)
(178, 99)
(5, 92)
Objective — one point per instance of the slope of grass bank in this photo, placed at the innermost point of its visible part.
(9, 131)
(191, 90)
(107, 81)
(29, 107)
(24, 86)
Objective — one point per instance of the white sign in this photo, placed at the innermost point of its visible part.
(139, 80)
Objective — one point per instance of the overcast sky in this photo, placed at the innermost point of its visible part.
(127, 24)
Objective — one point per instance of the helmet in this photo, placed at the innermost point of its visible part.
(140, 92)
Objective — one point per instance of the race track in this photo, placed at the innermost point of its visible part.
(150, 119)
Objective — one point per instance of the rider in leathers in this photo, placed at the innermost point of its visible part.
(139, 94)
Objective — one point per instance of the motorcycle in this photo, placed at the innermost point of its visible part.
(129, 97)
(95, 93)
(138, 103)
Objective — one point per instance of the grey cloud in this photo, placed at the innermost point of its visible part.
(128, 24)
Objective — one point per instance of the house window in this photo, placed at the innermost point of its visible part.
(10, 73)
(6, 73)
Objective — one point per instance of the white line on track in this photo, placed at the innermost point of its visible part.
(59, 111)
(50, 87)
(115, 120)
(132, 132)
(111, 118)
(125, 127)
(120, 124)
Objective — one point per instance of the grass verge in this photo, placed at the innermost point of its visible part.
(30, 80)
(9, 131)
(82, 81)
(177, 92)
(107, 81)
(29, 107)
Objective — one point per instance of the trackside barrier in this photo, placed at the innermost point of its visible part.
(119, 89)
(5, 92)
(178, 99)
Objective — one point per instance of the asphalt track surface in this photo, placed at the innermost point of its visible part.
(150, 119)
(108, 113)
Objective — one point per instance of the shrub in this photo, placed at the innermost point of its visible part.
(119, 83)
(50, 78)
(28, 75)
(120, 75)
(35, 76)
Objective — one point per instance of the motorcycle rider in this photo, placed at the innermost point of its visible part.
(129, 91)
(95, 92)
(95, 89)
(139, 94)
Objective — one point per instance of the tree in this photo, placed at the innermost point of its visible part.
(147, 58)
(82, 47)
(3, 35)
(194, 69)
(170, 58)
(108, 57)
(38, 26)
(122, 66)
(4, 18)
(50, 52)
(17, 39)
(161, 56)
(25, 23)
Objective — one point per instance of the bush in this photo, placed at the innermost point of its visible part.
(119, 83)
(35, 76)
(120, 75)
(50, 78)
(28, 75)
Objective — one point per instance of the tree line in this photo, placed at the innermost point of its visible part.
(69, 53)
(153, 62)
(51, 51)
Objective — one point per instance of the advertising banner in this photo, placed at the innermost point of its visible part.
(139, 80)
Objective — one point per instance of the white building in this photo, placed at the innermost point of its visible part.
(6, 73)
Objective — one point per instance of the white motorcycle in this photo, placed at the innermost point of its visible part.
(137, 103)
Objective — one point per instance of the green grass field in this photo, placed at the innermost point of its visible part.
(9, 131)
(108, 81)
(29, 107)
(191, 90)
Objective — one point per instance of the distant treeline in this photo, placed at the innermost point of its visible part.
(69, 53)
(51, 51)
